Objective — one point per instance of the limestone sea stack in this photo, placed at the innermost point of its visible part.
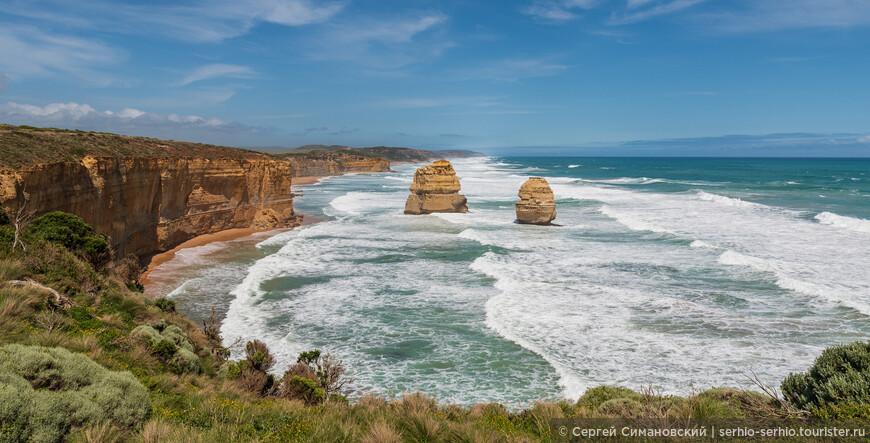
(536, 205)
(435, 189)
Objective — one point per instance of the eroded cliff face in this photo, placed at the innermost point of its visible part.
(325, 164)
(435, 189)
(536, 205)
(150, 204)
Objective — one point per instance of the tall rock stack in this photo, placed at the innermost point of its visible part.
(435, 189)
(536, 205)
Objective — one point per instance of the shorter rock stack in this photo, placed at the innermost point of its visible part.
(435, 189)
(536, 205)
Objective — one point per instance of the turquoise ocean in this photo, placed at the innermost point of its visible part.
(678, 274)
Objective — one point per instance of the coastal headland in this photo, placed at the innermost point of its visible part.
(152, 196)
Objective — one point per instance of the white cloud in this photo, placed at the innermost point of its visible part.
(28, 51)
(864, 139)
(773, 15)
(558, 10)
(385, 43)
(512, 69)
(217, 70)
(295, 13)
(437, 102)
(192, 20)
(127, 121)
(629, 11)
(658, 9)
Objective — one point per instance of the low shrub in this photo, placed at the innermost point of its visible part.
(252, 380)
(44, 392)
(842, 411)
(165, 304)
(164, 349)
(620, 407)
(595, 397)
(174, 334)
(299, 388)
(4, 219)
(73, 233)
(171, 345)
(185, 361)
(230, 370)
(258, 356)
(840, 375)
(148, 333)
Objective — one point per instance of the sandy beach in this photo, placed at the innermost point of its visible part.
(306, 180)
(205, 239)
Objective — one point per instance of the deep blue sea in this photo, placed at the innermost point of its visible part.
(677, 273)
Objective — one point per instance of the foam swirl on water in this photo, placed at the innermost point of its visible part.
(644, 283)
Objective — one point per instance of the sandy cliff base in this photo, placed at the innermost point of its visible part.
(202, 240)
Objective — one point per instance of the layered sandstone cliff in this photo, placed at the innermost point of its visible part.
(322, 164)
(536, 205)
(149, 204)
(435, 189)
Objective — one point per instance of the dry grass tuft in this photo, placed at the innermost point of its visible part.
(416, 404)
(102, 433)
(380, 432)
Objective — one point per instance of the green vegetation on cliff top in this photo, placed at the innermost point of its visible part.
(27, 146)
(22, 146)
(393, 154)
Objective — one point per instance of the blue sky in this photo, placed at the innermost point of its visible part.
(602, 77)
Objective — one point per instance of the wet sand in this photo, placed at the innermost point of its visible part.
(205, 239)
(305, 180)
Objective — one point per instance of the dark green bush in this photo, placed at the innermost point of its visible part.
(230, 370)
(62, 228)
(165, 304)
(4, 219)
(309, 357)
(258, 356)
(73, 233)
(44, 392)
(185, 361)
(594, 397)
(840, 375)
(164, 349)
(300, 388)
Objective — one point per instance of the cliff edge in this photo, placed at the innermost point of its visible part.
(150, 195)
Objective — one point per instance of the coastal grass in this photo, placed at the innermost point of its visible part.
(28, 145)
(22, 146)
(193, 399)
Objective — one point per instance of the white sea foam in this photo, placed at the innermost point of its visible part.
(701, 244)
(759, 287)
(574, 166)
(844, 222)
(631, 180)
(730, 201)
(630, 221)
